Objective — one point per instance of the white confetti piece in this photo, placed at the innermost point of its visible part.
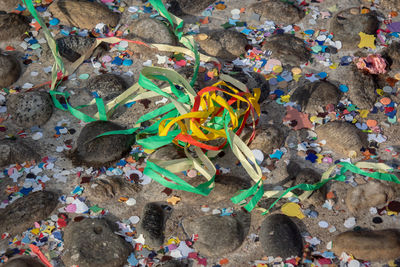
(131, 202)
(323, 224)
(37, 135)
(34, 73)
(350, 222)
(134, 219)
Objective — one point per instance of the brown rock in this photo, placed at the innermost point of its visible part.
(288, 49)
(182, 7)
(382, 245)
(342, 137)
(267, 138)
(10, 70)
(224, 44)
(16, 151)
(314, 97)
(277, 11)
(371, 194)
(392, 53)
(23, 212)
(12, 26)
(390, 5)
(83, 14)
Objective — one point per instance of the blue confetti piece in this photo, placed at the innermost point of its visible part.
(41, 8)
(276, 155)
(95, 95)
(343, 88)
(246, 31)
(117, 61)
(279, 78)
(322, 75)
(57, 235)
(20, 8)
(130, 104)
(233, 21)
(147, 9)
(309, 32)
(278, 92)
(77, 190)
(121, 163)
(312, 157)
(54, 22)
(32, 41)
(132, 260)
(273, 81)
(127, 62)
(26, 240)
(25, 190)
(64, 32)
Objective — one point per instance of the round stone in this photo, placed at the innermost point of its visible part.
(92, 242)
(152, 31)
(30, 108)
(13, 26)
(24, 261)
(107, 86)
(16, 151)
(101, 151)
(10, 70)
(278, 11)
(72, 47)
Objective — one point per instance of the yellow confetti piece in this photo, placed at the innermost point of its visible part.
(296, 71)
(367, 40)
(390, 213)
(292, 210)
(334, 66)
(380, 92)
(174, 200)
(49, 229)
(35, 231)
(148, 151)
(397, 76)
(173, 240)
(296, 77)
(364, 113)
(285, 98)
(277, 69)
(319, 159)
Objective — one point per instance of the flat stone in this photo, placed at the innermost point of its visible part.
(92, 242)
(314, 97)
(288, 48)
(72, 47)
(224, 44)
(277, 11)
(110, 189)
(193, 7)
(107, 86)
(361, 88)
(218, 235)
(391, 5)
(10, 70)
(346, 27)
(9, 5)
(20, 215)
(152, 31)
(103, 150)
(16, 151)
(280, 237)
(29, 109)
(83, 14)
(24, 261)
(371, 194)
(382, 245)
(342, 137)
(13, 26)
(152, 225)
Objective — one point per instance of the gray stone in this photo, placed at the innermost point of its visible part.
(218, 235)
(10, 70)
(280, 237)
(107, 86)
(103, 150)
(392, 53)
(152, 31)
(346, 26)
(168, 152)
(278, 11)
(361, 88)
(382, 245)
(20, 215)
(30, 108)
(24, 261)
(152, 225)
(72, 47)
(391, 5)
(342, 137)
(307, 176)
(193, 7)
(371, 194)
(12, 26)
(268, 138)
(314, 97)
(16, 151)
(288, 48)
(92, 242)
(224, 44)
(110, 189)
(9, 5)
(83, 14)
